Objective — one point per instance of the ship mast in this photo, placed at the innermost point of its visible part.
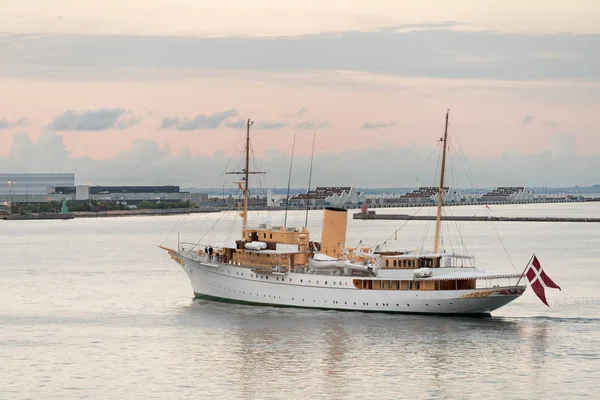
(438, 220)
(246, 172)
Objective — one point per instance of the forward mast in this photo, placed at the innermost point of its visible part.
(246, 172)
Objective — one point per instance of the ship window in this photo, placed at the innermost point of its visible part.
(270, 236)
(264, 235)
(326, 282)
(395, 263)
(387, 262)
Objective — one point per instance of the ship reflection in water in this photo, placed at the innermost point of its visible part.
(278, 352)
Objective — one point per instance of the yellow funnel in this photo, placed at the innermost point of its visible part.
(333, 237)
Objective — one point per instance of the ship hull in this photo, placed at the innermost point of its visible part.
(225, 282)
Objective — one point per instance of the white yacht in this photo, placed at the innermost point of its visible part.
(281, 266)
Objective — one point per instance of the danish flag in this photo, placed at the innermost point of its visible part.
(538, 279)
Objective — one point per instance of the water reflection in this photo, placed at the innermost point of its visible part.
(337, 353)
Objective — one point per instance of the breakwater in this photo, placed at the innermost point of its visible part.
(146, 212)
(405, 217)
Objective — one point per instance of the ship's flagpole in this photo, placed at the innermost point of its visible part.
(527, 266)
(441, 190)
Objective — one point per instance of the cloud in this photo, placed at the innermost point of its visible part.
(270, 125)
(563, 144)
(505, 56)
(527, 119)
(48, 152)
(551, 124)
(311, 125)
(200, 121)
(162, 166)
(377, 125)
(5, 124)
(94, 120)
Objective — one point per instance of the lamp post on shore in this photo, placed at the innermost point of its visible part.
(90, 193)
(14, 185)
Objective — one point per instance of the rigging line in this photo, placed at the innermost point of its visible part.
(309, 181)
(231, 158)
(503, 246)
(457, 223)
(466, 167)
(495, 230)
(402, 226)
(210, 229)
(287, 200)
(378, 241)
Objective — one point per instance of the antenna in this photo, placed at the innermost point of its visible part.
(309, 179)
(287, 200)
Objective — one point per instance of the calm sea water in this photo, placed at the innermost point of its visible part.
(91, 308)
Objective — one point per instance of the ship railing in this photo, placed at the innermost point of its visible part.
(496, 283)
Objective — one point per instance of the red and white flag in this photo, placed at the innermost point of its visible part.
(538, 279)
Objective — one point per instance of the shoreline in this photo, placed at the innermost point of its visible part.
(405, 217)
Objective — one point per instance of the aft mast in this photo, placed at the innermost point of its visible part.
(441, 190)
(246, 172)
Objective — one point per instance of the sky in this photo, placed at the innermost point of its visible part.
(157, 92)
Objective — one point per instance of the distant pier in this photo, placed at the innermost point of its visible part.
(405, 217)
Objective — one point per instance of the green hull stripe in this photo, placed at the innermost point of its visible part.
(256, 303)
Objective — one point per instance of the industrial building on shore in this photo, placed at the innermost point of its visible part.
(43, 187)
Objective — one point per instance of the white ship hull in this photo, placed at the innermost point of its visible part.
(225, 282)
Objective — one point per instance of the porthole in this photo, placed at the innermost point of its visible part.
(301, 280)
(376, 304)
(266, 277)
(426, 304)
(290, 279)
(326, 282)
(408, 305)
(438, 304)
